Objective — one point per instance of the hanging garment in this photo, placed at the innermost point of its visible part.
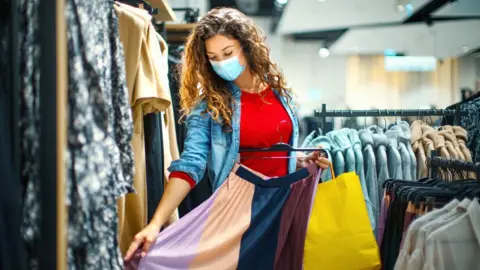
(154, 158)
(147, 83)
(337, 156)
(344, 158)
(169, 139)
(417, 129)
(451, 144)
(421, 250)
(462, 138)
(339, 235)
(458, 239)
(357, 150)
(405, 139)
(397, 133)
(381, 144)
(366, 137)
(309, 139)
(460, 145)
(326, 144)
(396, 162)
(174, 65)
(250, 222)
(411, 237)
(12, 253)
(354, 146)
(99, 161)
(405, 207)
(471, 124)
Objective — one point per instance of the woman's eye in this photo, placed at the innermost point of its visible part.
(228, 54)
(212, 58)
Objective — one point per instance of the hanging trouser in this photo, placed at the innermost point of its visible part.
(250, 222)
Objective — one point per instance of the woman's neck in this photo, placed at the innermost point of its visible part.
(248, 83)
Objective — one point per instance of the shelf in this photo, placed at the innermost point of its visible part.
(177, 33)
(180, 27)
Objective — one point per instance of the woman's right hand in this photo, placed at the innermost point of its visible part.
(147, 237)
(175, 191)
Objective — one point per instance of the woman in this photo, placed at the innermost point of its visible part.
(229, 86)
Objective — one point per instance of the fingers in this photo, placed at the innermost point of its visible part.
(137, 241)
(322, 162)
(146, 246)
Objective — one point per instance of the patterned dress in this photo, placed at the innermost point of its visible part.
(99, 158)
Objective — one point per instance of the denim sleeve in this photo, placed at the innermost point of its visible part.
(193, 160)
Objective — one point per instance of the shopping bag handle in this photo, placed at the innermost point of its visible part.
(331, 170)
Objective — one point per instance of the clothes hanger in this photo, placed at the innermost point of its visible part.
(351, 119)
(341, 118)
(283, 147)
(385, 128)
(365, 121)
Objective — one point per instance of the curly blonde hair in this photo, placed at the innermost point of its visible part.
(197, 73)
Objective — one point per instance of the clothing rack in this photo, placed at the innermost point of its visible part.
(324, 113)
(435, 162)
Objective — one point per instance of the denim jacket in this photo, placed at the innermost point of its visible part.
(207, 142)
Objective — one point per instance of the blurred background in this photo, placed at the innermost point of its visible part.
(369, 54)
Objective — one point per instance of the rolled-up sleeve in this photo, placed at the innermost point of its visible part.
(193, 159)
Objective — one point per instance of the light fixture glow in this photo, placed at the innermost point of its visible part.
(322, 0)
(465, 49)
(281, 2)
(324, 52)
(401, 8)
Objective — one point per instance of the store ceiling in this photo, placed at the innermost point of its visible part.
(249, 7)
(442, 40)
(368, 26)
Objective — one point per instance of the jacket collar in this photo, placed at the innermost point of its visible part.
(474, 214)
(234, 89)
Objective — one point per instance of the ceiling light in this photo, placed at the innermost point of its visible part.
(322, 0)
(465, 49)
(281, 2)
(324, 52)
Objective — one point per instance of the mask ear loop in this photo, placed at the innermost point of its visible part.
(278, 130)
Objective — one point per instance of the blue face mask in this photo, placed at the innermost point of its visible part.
(228, 69)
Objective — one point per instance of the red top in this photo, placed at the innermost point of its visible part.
(263, 123)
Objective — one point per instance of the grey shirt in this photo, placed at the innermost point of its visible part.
(456, 245)
(396, 137)
(394, 157)
(380, 144)
(370, 169)
(413, 160)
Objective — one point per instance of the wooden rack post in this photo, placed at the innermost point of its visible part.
(53, 103)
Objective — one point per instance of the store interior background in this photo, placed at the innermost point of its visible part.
(358, 34)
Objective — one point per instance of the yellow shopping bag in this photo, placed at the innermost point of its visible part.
(339, 234)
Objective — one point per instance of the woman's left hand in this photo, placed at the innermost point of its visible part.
(316, 157)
